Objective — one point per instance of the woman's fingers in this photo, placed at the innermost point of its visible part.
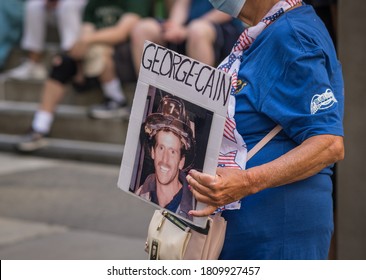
(204, 212)
(202, 179)
(225, 187)
(201, 183)
(203, 189)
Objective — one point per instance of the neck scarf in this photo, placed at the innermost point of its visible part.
(233, 150)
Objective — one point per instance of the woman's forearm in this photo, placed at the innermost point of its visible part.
(313, 155)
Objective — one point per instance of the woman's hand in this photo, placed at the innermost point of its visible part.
(227, 186)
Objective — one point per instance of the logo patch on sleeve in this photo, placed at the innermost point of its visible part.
(322, 101)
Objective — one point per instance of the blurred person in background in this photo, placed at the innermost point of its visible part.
(66, 14)
(193, 28)
(11, 26)
(105, 23)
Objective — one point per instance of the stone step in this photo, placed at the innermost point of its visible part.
(30, 91)
(70, 149)
(73, 134)
(71, 123)
(17, 55)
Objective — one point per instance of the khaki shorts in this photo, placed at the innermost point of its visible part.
(94, 60)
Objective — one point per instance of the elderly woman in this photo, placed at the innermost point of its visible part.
(285, 72)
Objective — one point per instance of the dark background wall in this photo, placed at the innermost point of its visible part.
(351, 190)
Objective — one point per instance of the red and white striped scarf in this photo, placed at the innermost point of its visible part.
(233, 151)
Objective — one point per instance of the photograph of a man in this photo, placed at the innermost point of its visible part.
(171, 143)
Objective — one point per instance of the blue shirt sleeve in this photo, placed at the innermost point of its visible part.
(307, 99)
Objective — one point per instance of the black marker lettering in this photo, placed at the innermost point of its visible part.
(190, 73)
(156, 60)
(199, 76)
(144, 54)
(175, 62)
(205, 79)
(165, 62)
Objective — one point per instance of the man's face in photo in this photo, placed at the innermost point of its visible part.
(167, 157)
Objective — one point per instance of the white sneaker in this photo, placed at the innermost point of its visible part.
(32, 142)
(109, 109)
(28, 70)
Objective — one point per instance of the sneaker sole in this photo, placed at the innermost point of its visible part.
(23, 79)
(109, 115)
(31, 147)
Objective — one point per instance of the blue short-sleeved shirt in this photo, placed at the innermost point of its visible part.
(200, 7)
(289, 76)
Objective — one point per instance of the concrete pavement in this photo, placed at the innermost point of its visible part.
(60, 209)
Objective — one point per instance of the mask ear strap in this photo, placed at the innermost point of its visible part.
(264, 141)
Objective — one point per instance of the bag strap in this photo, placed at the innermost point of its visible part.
(264, 141)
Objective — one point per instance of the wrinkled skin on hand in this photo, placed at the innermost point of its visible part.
(228, 185)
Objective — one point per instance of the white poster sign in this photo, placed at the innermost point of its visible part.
(176, 124)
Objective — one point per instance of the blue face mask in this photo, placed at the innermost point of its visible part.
(231, 7)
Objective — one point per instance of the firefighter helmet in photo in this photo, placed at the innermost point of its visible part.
(171, 115)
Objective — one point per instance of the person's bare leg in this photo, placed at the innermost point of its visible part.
(147, 29)
(109, 72)
(115, 104)
(53, 91)
(111, 85)
(52, 94)
(35, 57)
(114, 34)
(200, 42)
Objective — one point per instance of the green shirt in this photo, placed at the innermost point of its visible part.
(104, 13)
